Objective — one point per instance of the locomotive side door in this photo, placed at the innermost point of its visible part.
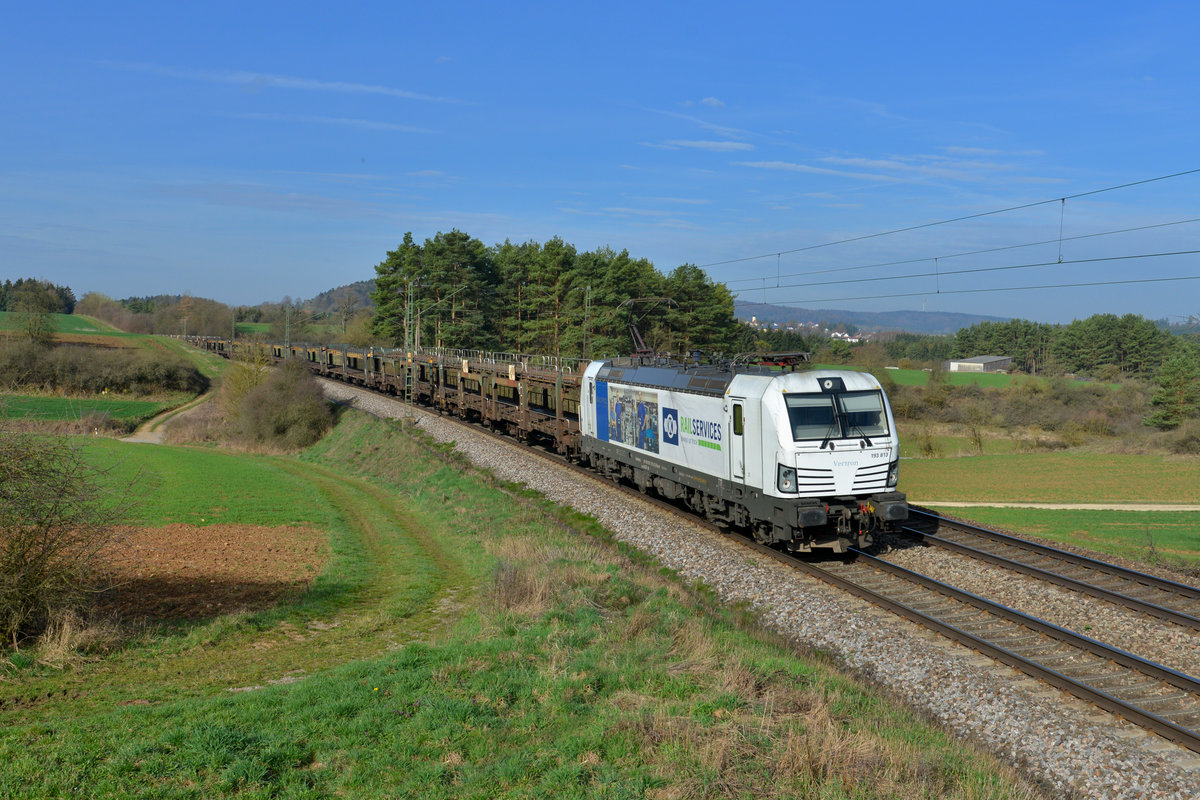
(737, 438)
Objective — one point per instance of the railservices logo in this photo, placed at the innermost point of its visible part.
(702, 433)
(670, 426)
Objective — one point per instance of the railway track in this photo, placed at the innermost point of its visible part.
(1159, 699)
(1146, 594)
(1156, 698)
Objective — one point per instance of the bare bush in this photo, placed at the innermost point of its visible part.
(927, 444)
(1185, 440)
(247, 374)
(287, 409)
(54, 521)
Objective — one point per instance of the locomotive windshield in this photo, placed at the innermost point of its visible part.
(840, 415)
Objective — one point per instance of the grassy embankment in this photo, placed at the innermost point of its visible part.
(460, 642)
(131, 411)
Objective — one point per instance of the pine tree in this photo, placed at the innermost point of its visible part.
(1178, 396)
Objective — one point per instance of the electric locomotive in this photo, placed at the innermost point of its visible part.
(806, 460)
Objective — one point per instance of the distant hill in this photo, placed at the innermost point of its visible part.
(935, 322)
(357, 294)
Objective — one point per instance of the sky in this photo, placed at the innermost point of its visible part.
(250, 152)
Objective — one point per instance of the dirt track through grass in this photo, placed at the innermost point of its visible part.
(389, 582)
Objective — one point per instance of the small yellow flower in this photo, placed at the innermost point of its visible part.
(377, 688)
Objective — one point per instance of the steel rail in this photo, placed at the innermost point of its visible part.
(1165, 728)
(1151, 609)
(1102, 566)
(1111, 570)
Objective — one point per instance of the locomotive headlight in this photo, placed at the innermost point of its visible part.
(893, 473)
(786, 479)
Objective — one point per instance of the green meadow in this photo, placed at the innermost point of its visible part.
(130, 411)
(65, 323)
(1054, 477)
(465, 639)
(17, 406)
(1167, 537)
(920, 377)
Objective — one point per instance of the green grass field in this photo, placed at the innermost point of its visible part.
(207, 487)
(1168, 538)
(17, 406)
(252, 328)
(919, 377)
(130, 411)
(461, 643)
(1058, 477)
(66, 323)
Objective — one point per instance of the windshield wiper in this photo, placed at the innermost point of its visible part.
(865, 438)
(834, 427)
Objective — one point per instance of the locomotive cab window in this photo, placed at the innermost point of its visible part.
(841, 415)
(863, 413)
(737, 419)
(811, 416)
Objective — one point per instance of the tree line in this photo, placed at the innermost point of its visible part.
(1103, 345)
(546, 298)
(31, 294)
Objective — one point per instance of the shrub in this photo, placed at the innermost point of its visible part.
(927, 445)
(89, 370)
(1185, 440)
(246, 375)
(286, 410)
(53, 523)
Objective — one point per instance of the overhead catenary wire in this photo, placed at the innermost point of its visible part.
(989, 290)
(938, 273)
(963, 218)
(984, 251)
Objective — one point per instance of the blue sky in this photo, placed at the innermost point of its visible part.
(251, 151)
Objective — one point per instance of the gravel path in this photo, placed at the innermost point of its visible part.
(1068, 747)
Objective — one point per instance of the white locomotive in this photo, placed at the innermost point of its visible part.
(804, 459)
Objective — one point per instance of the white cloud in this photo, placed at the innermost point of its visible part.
(639, 212)
(721, 147)
(265, 80)
(691, 201)
(271, 198)
(720, 130)
(365, 124)
(713, 102)
(787, 166)
(426, 173)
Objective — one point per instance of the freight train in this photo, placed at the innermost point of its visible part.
(805, 460)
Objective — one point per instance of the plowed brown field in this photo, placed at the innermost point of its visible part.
(190, 571)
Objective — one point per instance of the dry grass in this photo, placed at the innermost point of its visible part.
(202, 424)
(516, 588)
(692, 648)
(70, 639)
(532, 575)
